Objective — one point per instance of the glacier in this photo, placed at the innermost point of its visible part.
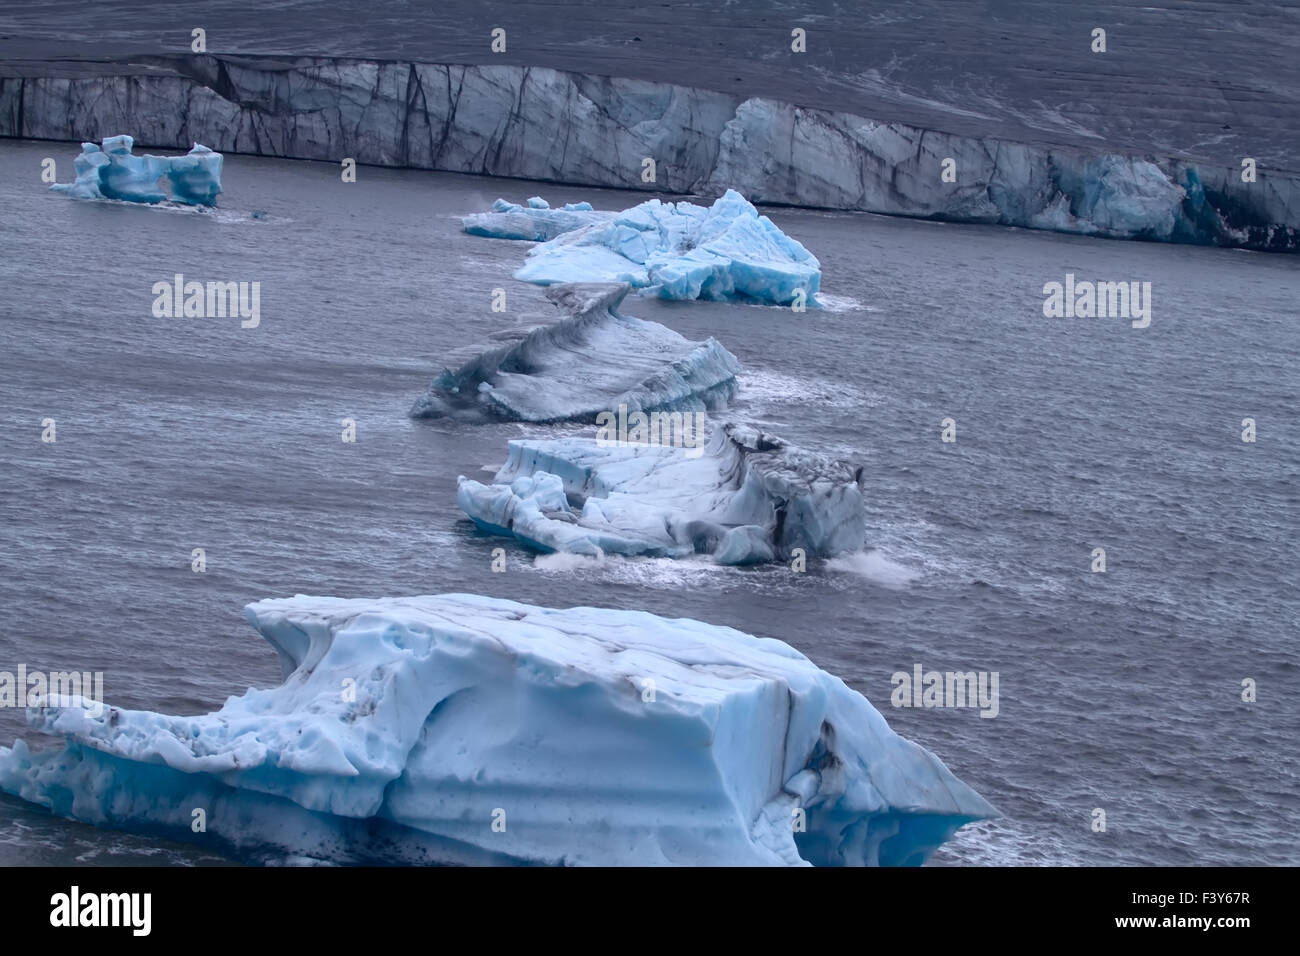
(533, 122)
(592, 360)
(113, 172)
(671, 250)
(465, 729)
(750, 498)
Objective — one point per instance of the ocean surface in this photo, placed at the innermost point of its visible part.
(1118, 690)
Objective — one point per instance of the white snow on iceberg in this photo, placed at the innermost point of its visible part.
(114, 173)
(672, 250)
(459, 728)
(592, 360)
(750, 498)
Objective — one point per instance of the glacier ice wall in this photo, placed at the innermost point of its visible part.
(543, 124)
(593, 359)
(459, 728)
(750, 498)
(113, 172)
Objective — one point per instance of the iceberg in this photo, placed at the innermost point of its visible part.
(466, 729)
(592, 360)
(536, 222)
(671, 250)
(750, 498)
(113, 172)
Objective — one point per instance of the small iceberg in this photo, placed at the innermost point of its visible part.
(536, 221)
(750, 498)
(671, 250)
(114, 173)
(592, 360)
(466, 729)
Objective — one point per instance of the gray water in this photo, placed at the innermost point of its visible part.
(1119, 691)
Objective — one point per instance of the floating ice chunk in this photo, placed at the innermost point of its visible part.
(593, 360)
(672, 250)
(750, 498)
(458, 728)
(114, 173)
(534, 222)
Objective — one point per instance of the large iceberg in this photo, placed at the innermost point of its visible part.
(467, 729)
(672, 250)
(114, 173)
(750, 498)
(592, 360)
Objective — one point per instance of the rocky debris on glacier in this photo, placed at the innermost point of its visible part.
(543, 124)
(591, 360)
(113, 172)
(671, 250)
(466, 729)
(750, 498)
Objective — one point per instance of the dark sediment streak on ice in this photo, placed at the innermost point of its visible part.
(542, 124)
(592, 360)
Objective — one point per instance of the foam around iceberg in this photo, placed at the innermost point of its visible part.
(466, 729)
(751, 498)
(592, 360)
(114, 173)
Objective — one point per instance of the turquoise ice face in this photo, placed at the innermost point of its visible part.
(196, 176)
